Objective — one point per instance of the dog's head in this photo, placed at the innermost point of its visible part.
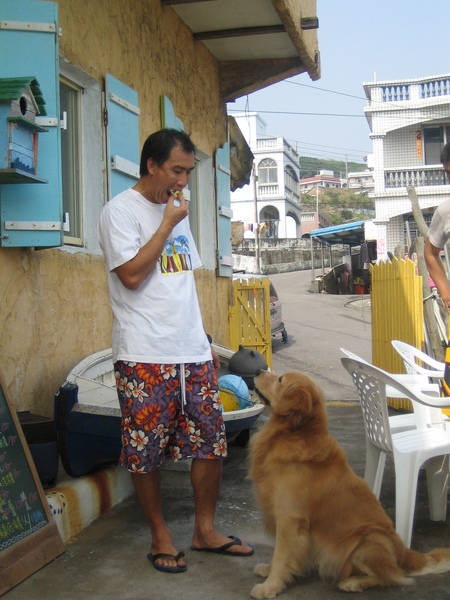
(294, 396)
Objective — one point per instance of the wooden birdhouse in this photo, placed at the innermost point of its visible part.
(21, 102)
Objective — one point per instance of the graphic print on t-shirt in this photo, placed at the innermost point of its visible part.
(176, 256)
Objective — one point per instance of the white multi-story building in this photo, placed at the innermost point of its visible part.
(409, 121)
(360, 182)
(272, 201)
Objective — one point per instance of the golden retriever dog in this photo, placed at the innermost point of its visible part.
(323, 516)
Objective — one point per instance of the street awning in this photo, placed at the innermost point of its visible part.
(351, 234)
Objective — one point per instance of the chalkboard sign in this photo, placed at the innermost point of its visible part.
(29, 537)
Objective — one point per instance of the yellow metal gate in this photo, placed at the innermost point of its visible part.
(250, 316)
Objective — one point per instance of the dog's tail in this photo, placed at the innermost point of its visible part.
(436, 561)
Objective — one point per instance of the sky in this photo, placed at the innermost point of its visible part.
(360, 41)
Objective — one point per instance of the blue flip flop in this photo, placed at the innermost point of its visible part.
(225, 549)
(164, 568)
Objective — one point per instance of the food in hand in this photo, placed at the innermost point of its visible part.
(178, 194)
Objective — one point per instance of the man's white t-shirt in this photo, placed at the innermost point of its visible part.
(160, 322)
(439, 231)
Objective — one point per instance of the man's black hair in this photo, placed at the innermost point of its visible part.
(159, 145)
(445, 154)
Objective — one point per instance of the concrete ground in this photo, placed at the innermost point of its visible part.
(108, 559)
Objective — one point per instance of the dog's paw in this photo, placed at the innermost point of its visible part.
(360, 583)
(350, 585)
(265, 590)
(262, 570)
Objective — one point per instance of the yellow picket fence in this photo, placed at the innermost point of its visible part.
(397, 314)
(250, 316)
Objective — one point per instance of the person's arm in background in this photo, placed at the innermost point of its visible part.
(437, 272)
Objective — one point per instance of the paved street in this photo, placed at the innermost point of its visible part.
(318, 325)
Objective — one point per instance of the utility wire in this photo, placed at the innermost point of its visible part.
(325, 90)
(310, 114)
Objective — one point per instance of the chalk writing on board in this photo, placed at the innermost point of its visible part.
(21, 509)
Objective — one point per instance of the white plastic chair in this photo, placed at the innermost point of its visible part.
(420, 417)
(410, 355)
(428, 447)
(435, 371)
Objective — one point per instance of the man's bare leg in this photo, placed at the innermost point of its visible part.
(148, 492)
(206, 477)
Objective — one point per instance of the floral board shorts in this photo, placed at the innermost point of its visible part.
(155, 420)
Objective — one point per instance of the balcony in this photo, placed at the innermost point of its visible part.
(407, 90)
(266, 190)
(426, 89)
(414, 176)
(277, 144)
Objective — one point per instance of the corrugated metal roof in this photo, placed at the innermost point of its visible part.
(351, 234)
(11, 88)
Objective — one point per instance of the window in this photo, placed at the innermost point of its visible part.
(267, 171)
(434, 139)
(82, 156)
(411, 231)
(291, 180)
(71, 161)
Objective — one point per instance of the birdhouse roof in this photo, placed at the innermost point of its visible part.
(12, 88)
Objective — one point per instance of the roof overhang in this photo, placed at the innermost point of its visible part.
(257, 42)
(351, 234)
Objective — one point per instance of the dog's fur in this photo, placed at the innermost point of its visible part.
(323, 516)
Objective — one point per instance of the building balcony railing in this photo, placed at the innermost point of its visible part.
(278, 144)
(268, 189)
(407, 90)
(414, 176)
(272, 190)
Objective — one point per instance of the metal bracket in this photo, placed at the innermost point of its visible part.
(118, 163)
(118, 100)
(32, 226)
(47, 121)
(26, 26)
(226, 212)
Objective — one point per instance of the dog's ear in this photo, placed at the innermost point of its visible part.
(298, 402)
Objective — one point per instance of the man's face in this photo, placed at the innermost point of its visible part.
(174, 174)
(447, 171)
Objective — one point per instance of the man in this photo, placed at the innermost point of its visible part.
(438, 235)
(164, 363)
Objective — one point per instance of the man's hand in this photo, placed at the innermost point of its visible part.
(176, 210)
(446, 301)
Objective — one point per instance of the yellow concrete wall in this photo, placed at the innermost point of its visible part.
(54, 307)
(149, 48)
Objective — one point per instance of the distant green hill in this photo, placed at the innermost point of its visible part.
(309, 166)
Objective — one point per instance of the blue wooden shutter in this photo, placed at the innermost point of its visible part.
(224, 212)
(31, 213)
(122, 135)
(168, 116)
